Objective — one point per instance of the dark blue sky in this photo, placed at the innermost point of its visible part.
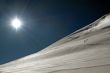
(44, 22)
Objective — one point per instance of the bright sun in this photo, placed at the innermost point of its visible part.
(16, 23)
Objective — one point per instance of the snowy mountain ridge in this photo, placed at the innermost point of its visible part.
(84, 51)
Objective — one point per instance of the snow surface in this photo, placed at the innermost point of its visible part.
(84, 51)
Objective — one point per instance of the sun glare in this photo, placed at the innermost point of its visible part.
(16, 23)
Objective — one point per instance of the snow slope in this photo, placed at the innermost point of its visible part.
(84, 51)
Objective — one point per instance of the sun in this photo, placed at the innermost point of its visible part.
(16, 23)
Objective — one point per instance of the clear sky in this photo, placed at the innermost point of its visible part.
(44, 22)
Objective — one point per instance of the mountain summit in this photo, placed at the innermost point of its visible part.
(84, 51)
